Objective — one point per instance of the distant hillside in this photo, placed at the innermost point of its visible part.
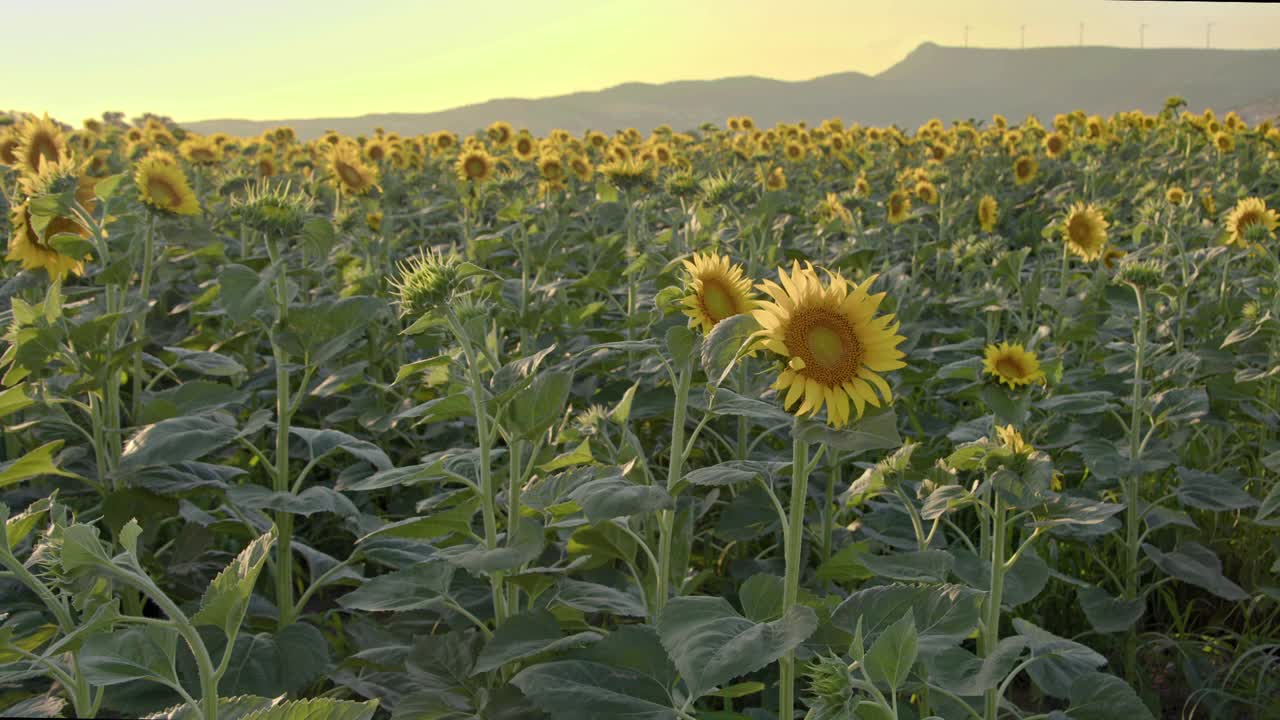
(932, 81)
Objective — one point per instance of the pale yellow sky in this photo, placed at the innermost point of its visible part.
(276, 59)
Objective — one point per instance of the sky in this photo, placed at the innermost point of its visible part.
(288, 59)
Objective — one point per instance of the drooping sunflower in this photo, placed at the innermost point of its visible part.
(1025, 169)
(162, 185)
(897, 206)
(475, 165)
(500, 133)
(715, 289)
(31, 247)
(1055, 144)
(352, 174)
(26, 247)
(40, 141)
(1248, 217)
(988, 213)
(833, 343)
(200, 151)
(1111, 258)
(1012, 365)
(1085, 231)
(774, 180)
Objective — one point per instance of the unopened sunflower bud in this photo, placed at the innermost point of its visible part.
(426, 283)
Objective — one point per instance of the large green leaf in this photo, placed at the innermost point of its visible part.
(273, 663)
(712, 644)
(889, 659)
(424, 585)
(615, 496)
(944, 615)
(176, 440)
(137, 653)
(1099, 696)
(1196, 564)
(593, 597)
(1059, 661)
(525, 635)
(586, 690)
(34, 464)
(539, 405)
(525, 547)
(1109, 614)
(916, 566)
(316, 709)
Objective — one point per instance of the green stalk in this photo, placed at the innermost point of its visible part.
(791, 583)
(1132, 487)
(991, 623)
(284, 521)
(834, 478)
(140, 320)
(675, 468)
(488, 494)
(516, 452)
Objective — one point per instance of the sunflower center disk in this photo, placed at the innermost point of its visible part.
(716, 301)
(163, 192)
(827, 344)
(1010, 368)
(349, 174)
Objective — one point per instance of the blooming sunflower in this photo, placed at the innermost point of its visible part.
(443, 140)
(377, 150)
(162, 185)
(551, 167)
(1224, 142)
(1055, 144)
(897, 206)
(524, 147)
(794, 151)
(200, 151)
(1025, 169)
(939, 152)
(1246, 215)
(861, 187)
(988, 213)
(475, 165)
(500, 133)
(1085, 231)
(8, 147)
(927, 192)
(1012, 365)
(350, 171)
(1111, 258)
(1175, 195)
(40, 140)
(834, 345)
(581, 168)
(715, 289)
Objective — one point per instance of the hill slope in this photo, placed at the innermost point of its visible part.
(946, 82)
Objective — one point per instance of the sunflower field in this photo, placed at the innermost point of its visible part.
(976, 420)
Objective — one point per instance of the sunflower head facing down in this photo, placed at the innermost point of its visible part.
(26, 246)
(351, 172)
(988, 213)
(1248, 218)
(162, 185)
(1012, 365)
(832, 341)
(714, 290)
(1085, 231)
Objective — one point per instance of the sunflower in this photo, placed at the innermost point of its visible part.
(794, 151)
(1025, 169)
(40, 140)
(1012, 365)
(715, 289)
(1012, 440)
(551, 167)
(939, 152)
(524, 147)
(581, 167)
(1207, 202)
(1055, 144)
(1248, 214)
(443, 140)
(1224, 142)
(350, 171)
(927, 192)
(834, 345)
(1085, 231)
(162, 185)
(377, 150)
(266, 165)
(1111, 257)
(898, 205)
(628, 174)
(8, 147)
(475, 165)
(988, 213)
(500, 133)
(200, 151)
(861, 187)
(775, 180)
(1175, 195)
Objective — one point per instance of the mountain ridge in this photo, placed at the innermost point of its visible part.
(930, 81)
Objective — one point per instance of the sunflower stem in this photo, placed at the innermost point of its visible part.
(991, 618)
(140, 319)
(793, 545)
(280, 479)
(1132, 486)
(675, 468)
